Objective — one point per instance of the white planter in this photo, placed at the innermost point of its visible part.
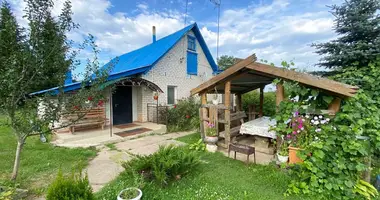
(211, 140)
(215, 101)
(136, 198)
(282, 159)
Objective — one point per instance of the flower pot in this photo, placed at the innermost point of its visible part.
(138, 197)
(215, 101)
(282, 159)
(155, 97)
(211, 140)
(293, 158)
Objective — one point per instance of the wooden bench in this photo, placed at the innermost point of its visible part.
(94, 117)
(238, 116)
(244, 149)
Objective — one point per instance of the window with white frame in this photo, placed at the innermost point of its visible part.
(191, 43)
(172, 95)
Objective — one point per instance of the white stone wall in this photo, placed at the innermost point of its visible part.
(171, 70)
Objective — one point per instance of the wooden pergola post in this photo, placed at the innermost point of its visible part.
(280, 94)
(335, 105)
(227, 113)
(203, 115)
(261, 101)
(239, 106)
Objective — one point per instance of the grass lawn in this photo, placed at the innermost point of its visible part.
(39, 161)
(218, 177)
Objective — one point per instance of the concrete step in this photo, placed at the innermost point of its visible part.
(68, 137)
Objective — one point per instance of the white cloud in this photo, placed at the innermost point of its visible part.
(275, 31)
(142, 6)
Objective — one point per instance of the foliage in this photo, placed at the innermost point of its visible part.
(74, 186)
(183, 116)
(339, 155)
(365, 189)
(217, 177)
(253, 98)
(211, 130)
(129, 193)
(167, 164)
(198, 146)
(40, 56)
(226, 61)
(7, 193)
(40, 161)
(190, 139)
(358, 24)
(284, 148)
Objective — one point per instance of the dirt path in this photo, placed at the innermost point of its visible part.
(106, 166)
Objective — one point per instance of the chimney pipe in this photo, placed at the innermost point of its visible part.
(154, 34)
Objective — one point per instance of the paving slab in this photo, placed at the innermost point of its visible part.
(106, 166)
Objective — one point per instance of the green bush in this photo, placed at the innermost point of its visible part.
(253, 98)
(184, 116)
(167, 164)
(74, 186)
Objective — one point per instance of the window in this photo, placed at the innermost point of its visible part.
(191, 43)
(172, 90)
(192, 63)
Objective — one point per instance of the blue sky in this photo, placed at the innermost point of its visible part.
(275, 30)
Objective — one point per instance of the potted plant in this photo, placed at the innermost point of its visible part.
(155, 96)
(283, 154)
(130, 194)
(211, 135)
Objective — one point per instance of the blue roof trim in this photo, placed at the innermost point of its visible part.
(77, 85)
(206, 51)
(143, 59)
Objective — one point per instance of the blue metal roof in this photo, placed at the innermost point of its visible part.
(143, 59)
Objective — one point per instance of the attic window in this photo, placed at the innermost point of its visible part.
(191, 43)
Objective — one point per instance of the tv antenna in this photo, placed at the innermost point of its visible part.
(217, 5)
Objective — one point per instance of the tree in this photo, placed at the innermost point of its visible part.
(358, 25)
(34, 58)
(226, 61)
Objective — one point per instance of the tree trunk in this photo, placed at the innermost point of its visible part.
(16, 165)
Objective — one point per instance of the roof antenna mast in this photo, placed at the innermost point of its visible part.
(217, 4)
(187, 3)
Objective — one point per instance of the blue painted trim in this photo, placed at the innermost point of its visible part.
(78, 85)
(189, 37)
(205, 49)
(203, 44)
(192, 63)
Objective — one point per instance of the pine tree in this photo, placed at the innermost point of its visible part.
(10, 36)
(358, 25)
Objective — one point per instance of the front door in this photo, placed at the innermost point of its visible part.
(122, 105)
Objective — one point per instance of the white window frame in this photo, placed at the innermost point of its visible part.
(175, 94)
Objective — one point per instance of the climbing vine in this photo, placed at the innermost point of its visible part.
(341, 146)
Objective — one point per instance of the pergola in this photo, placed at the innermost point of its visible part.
(248, 75)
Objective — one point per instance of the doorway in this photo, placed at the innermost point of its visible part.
(122, 105)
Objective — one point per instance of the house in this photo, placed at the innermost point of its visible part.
(170, 67)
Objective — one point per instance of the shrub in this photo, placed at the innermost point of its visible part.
(74, 186)
(184, 116)
(253, 98)
(167, 164)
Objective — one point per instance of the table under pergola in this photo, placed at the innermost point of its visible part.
(248, 75)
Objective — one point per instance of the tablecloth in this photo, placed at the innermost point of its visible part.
(259, 126)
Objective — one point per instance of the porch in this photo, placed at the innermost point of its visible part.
(118, 133)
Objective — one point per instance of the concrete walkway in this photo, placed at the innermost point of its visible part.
(106, 166)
